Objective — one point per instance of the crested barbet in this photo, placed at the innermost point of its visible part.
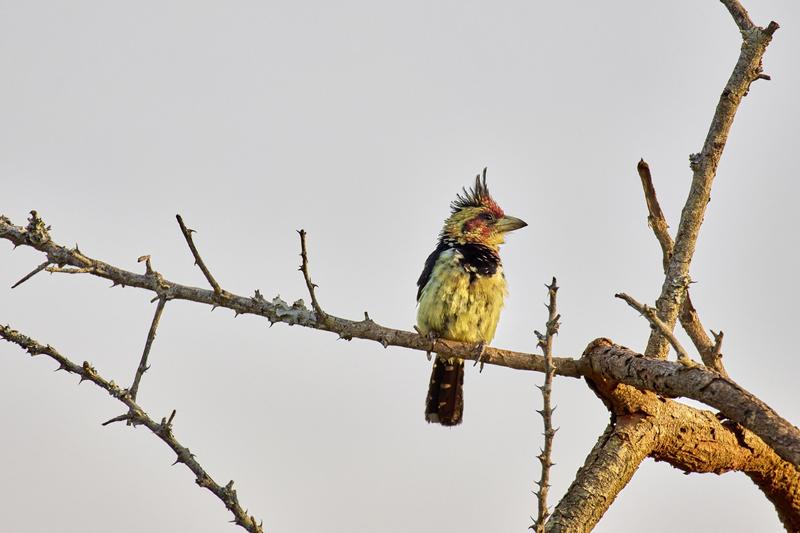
(461, 291)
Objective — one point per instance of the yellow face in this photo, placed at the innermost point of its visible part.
(486, 225)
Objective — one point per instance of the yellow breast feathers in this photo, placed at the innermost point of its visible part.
(461, 301)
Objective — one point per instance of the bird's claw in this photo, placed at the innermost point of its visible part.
(480, 351)
(431, 337)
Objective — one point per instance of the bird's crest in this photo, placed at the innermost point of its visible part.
(477, 196)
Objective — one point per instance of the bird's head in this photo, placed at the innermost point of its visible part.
(477, 219)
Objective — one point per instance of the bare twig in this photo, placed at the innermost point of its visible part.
(655, 217)
(708, 350)
(138, 416)
(704, 168)
(31, 274)
(321, 315)
(546, 455)
(187, 233)
(650, 314)
(690, 321)
(151, 335)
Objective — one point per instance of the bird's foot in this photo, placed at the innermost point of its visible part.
(480, 350)
(431, 336)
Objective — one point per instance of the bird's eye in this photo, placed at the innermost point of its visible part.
(487, 216)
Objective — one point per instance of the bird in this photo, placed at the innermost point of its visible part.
(461, 290)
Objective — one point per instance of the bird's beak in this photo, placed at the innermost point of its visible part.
(508, 223)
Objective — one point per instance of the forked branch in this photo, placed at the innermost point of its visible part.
(704, 168)
(690, 321)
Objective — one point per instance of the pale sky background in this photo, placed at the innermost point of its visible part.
(360, 121)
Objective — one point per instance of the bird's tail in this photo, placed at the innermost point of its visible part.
(445, 402)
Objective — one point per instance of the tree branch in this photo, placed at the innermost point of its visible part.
(607, 361)
(137, 416)
(650, 314)
(609, 467)
(546, 455)
(151, 335)
(276, 310)
(704, 167)
(689, 319)
(695, 440)
(655, 217)
(187, 233)
(321, 315)
(665, 378)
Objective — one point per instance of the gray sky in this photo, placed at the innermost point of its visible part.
(359, 122)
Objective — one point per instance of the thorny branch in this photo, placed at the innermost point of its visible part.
(151, 335)
(137, 416)
(274, 310)
(704, 167)
(546, 455)
(187, 233)
(662, 377)
(321, 315)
